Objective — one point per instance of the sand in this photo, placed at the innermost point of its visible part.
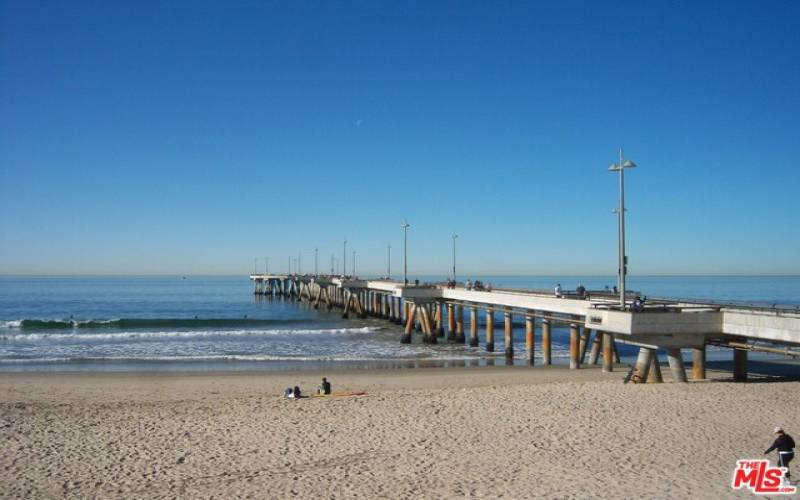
(490, 432)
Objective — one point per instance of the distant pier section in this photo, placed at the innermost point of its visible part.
(596, 321)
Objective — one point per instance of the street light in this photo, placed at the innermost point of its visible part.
(623, 259)
(405, 225)
(344, 259)
(388, 261)
(299, 262)
(266, 265)
(354, 263)
(332, 259)
(455, 237)
(316, 252)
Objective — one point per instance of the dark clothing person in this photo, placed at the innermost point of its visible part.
(325, 387)
(785, 446)
(297, 393)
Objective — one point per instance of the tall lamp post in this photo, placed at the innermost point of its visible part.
(316, 254)
(354, 263)
(455, 237)
(344, 259)
(299, 262)
(405, 225)
(266, 265)
(623, 259)
(388, 261)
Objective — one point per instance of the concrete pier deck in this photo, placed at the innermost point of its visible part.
(660, 324)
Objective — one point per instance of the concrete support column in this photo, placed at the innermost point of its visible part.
(473, 326)
(739, 365)
(643, 364)
(490, 329)
(655, 369)
(546, 343)
(608, 352)
(439, 319)
(574, 350)
(699, 363)
(597, 345)
(676, 364)
(409, 319)
(586, 335)
(398, 310)
(451, 323)
(529, 338)
(508, 338)
(460, 324)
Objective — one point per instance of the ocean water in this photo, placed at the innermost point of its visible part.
(216, 323)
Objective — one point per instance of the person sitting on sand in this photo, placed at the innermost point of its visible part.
(288, 393)
(297, 393)
(785, 446)
(324, 387)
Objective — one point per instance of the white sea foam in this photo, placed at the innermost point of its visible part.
(79, 335)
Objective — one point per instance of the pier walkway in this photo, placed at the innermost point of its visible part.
(437, 312)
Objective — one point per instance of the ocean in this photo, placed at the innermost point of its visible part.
(176, 323)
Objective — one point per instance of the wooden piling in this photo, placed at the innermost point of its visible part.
(406, 338)
(699, 363)
(473, 326)
(529, 338)
(586, 335)
(451, 323)
(460, 324)
(489, 329)
(427, 325)
(740, 365)
(439, 319)
(574, 351)
(546, 343)
(597, 346)
(608, 352)
(346, 312)
(676, 364)
(508, 338)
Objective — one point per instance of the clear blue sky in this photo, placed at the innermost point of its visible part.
(191, 137)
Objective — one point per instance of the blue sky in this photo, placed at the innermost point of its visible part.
(192, 137)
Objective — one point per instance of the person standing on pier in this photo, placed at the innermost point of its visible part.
(558, 290)
(785, 446)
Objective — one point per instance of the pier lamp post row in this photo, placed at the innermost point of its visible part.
(405, 225)
(455, 237)
(344, 259)
(623, 259)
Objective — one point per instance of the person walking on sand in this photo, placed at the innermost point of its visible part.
(785, 446)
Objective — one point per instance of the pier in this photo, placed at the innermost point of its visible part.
(596, 321)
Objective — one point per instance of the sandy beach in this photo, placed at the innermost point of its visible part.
(486, 432)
